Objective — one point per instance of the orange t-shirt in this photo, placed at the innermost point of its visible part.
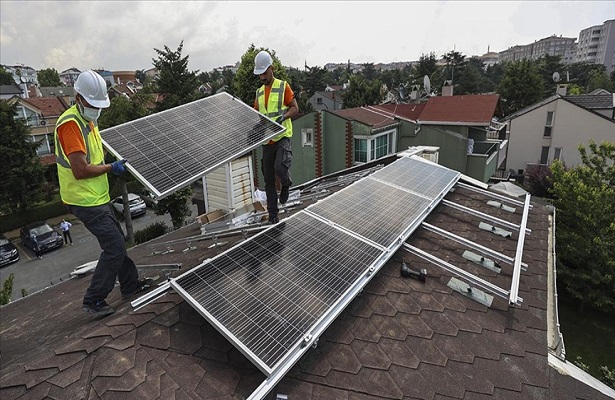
(288, 95)
(71, 139)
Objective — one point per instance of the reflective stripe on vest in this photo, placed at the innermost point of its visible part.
(275, 106)
(81, 192)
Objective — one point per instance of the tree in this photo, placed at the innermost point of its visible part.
(599, 80)
(176, 205)
(584, 197)
(7, 290)
(369, 71)
(246, 83)
(6, 78)
(176, 84)
(454, 59)
(521, 86)
(427, 65)
(547, 65)
(22, 173)
(316, 79)
(123, 110)
(49, 77)
(362, 92)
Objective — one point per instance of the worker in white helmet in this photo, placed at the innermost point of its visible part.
(276, 100)
(84, 189)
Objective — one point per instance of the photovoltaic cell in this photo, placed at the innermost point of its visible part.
(270, 290)
(417, 176)
(170, 149)
(373, 209)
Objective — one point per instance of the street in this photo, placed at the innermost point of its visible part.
(32, 274)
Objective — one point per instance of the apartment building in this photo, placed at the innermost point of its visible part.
(552, 45)
(597, 45)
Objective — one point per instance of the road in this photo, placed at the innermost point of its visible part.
(32, 274)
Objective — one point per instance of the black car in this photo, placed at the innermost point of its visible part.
(8, 251)
(46, 237)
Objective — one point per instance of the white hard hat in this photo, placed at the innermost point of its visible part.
(262, 61)
(93, 88)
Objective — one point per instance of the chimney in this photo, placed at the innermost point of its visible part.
(447, 89)
(562, 89)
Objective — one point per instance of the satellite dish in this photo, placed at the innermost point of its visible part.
(427, 84)
(556, 77)
(22, 79)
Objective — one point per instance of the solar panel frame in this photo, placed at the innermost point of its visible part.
(169, 150)
(239, 267)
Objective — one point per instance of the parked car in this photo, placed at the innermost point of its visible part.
(41, 232)
(135, 203)
(149, 199)
(8, 252)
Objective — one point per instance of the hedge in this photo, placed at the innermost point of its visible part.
(42, 213)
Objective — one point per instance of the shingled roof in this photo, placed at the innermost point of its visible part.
(462, 110)
(400, 338)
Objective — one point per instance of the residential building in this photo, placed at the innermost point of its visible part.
(597, 45)
(462, 127)
(552, 45)
(430, 319)
(67, 93)
(40, 115)
(26, 78)
(489, 59)
(327, 100)
(69, 76)
(554, 128)
(9, 91)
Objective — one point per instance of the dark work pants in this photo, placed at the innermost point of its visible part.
(113, 261)
(67, 237)
(277, 158)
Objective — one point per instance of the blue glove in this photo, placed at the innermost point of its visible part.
(280, 119)
(117, 167)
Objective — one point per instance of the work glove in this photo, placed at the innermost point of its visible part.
(280, 119)
(117, 167)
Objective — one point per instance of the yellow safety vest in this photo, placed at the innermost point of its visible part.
(87, 192)
(275, 106)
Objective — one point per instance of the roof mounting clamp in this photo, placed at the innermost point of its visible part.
(495, 230)
(306, 340)
(501, 206)
(480, 260)
(370, 271)
(473, 293)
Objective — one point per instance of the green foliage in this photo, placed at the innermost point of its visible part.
(538, 180)
(362, 92)
(6, 78)
(579, 363)
(599, 80)
(427, 65)
(521, 86)
(546, 66)
(150, 232)
(584, 197)
(123, 110)
(246, 83)
(32, 214)
(7, 290)
(608, 376)
(22, 173)
(176, 84)
(580, 73)
(49, 77)
(177, 206)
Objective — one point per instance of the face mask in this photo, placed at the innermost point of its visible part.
(89, 114)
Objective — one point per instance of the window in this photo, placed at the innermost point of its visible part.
(372, 148)
(558, 153)
(306, 137)
(548, 124)
(544, 155)
(319, 100)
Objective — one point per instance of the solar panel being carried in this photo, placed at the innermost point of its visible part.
(169, 150)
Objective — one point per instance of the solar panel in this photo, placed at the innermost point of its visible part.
(373, 209)
(269, 291)
(170, 149)
(417, 176)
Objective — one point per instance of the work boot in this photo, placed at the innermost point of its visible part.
(99, 308)
(273, 219)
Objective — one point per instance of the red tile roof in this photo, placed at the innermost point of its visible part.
(49, 106)
(365, 116)
(466, 109)
(407, 111)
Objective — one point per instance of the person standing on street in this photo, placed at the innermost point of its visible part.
(65, 226)
(275, 99)
(84, 189)
(36, 247)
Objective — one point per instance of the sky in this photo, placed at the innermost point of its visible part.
(122, 35)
